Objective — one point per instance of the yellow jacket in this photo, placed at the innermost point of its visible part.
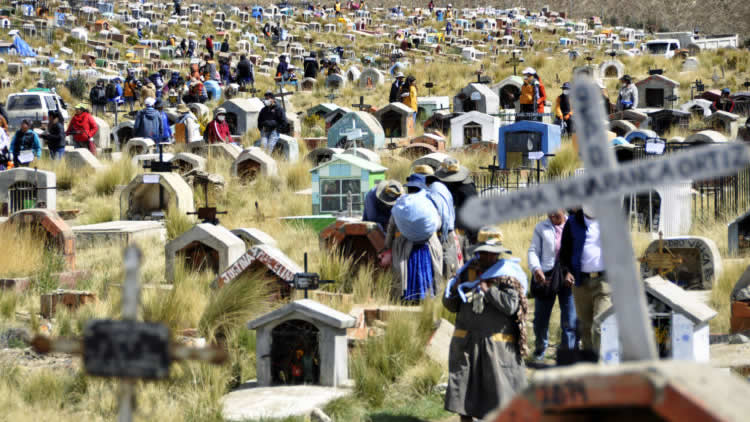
(411, 99)
(527, 94)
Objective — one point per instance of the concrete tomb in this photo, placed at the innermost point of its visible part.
(612, 69)
(57, 235)
(433, 160)
(252, 237)
(148, 196)
(82, 158)
(638, 118)
(427, 106)
(221, 151)
(335, 81)
(509, 91)
(706, 137)
(740, 302)
(654, 91)
(253, 162)
(361, 240)
(725, 123)
(137, 146)
(372, 137)
(276, 265)
(23, 187)
(321, 155)
(365, 154)
(185, 162)
(287, 148)
(122, 133)
(520, 142)
(205, 247)
(697, 264)
(118, 232)
(424, 144)
(739, 235)
(318, 331)
(698, 107)
(473, 127)
(345, 176)
(663, 120)
(397, 120)
(621, 127)
(242, 114)
(308, 84)
(679, 320)
(665, 209)
(103, 135)
(476, 97)
(371, 78)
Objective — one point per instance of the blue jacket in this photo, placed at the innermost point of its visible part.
(166, 132)
(571, 245)
(148, 124)
(376, 211)
(26, 141)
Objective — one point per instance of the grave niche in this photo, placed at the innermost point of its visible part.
(518, 140)
(294, 353)
(205, 247)
(252, 163)
(58, 236)
(148, 196)
(739, 235)
(319, 156)
(700, 263)
(123, 133)
(15, 192)
(509, 91)
(397, 120)
(358, 239)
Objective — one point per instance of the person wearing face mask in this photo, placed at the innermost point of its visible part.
(217, 130)
(628, 96)
(563, 111)
(271, 120)
(529, 98)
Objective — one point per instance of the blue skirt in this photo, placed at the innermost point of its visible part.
(420, 282)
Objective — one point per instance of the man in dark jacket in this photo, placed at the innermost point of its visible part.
(148, 122)
(457, 179)
(210, 46)
(394, 96)
(311, 66)
(283, 68)
(271, 120)
(98, 97)
(379, 202)
(55, 135)
(245, 72)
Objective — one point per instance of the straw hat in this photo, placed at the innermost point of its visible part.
(388, 191)
(451, 171)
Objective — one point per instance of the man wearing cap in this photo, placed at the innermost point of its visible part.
(563, 111)
(628, 97)
(148, 122)
(415, 250)
(217, 130)
(380, 200)
(458, 181)
(271, 120)
(485, 359)
(724, 103)
(394, 96)
(83, 128)
(583, 265)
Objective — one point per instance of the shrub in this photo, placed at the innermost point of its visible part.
(77, 86)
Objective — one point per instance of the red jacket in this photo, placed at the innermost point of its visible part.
(542, 98)
(209, 43)
(217, 132)
(83, 127)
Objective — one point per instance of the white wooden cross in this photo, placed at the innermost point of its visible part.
(354, 134)
(602, 186)
(128, 349)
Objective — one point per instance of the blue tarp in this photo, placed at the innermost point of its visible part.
(22, 47)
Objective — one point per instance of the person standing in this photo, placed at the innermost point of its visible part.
(628, 97)
(457, 179)
(148, 122)
(271, 120)
(225, 44)
(55, 135)
(541, 99)
(529, 94)
(245, 72)
(379, 202)
(131, 90)
(485, 359)
(311, 66)
(724, 103)
(187, 127)
(394, 97)
(217, 130)
(282, 69)
(543, 257)
(83, 128)
(443, 200)
(210, 46)
(25, 145)
(583, 265)
(409, 95)
(98, 97)
(166, 131)
(563, 110)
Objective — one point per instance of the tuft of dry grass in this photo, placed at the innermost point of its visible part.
(27, 254)
(117, 173)
(722, 288)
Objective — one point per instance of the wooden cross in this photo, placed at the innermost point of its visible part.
(514, 61)
(362, 106)
(127, 349)
(602, 186)
(663, 260)
(281, 94)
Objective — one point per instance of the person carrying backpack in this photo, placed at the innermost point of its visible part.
(98, 97)
(114, 93)
(148, 122)
(130, 91)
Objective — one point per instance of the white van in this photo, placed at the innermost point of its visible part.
(34, 105)
(666, 47)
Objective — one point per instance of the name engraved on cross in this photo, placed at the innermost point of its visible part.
(602, 185)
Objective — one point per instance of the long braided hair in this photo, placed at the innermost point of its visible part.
(520, 316)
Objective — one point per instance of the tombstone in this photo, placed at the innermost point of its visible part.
(317, 330)
(287, 148)
(639, 137)
(82, 158)
(723, 122)
(440, 121)
(205, 247)
(741, 103)
(373, 136)
(335, 81)
(70, 299)
(698, 107)
(334, 116)
(103, 135)
(123, 133)
(120, 233)
(322, 109)
(185, 162)
(739, 235)
(637, 118)
(334, 181)
(427, 106)
(242, 114)
(472, 128)
(700, 262)
(308, 84)
(679, 320)
(662, 121)
(138, 146)
(433, 160)
(423, 145)
(279, 267)
(321, 155)
(621, 127)
(294, 130)
(740, 302)
(476, 97)
(665, 209)
(371, 78)
(15, 192)
(15, 69)
(148, 196)
(611, 69)
(706, 137)
(252, 237)
(353, 74)
(654, 91)
(360, 240)
(221, 151)
(253, 162)
(57, 234)
(509, 91)
(691, 64)
(517, 143)
(397, 120)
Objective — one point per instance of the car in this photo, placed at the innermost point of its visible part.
(34, 105)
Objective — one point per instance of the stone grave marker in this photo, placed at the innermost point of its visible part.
(205, 247)
(70, 299)
(242, 114)
(82, 158)
(221, 151)
(601, 186)
(698, 266)
(372, 135)
(397, 120)
(356, 239)
(149, 195)
(319, 156)
(58, 235)
(476, 97)
(371, 78)
(654, 91)
(473, 127)
(118, 232)
(24, 187)
(517, 143)
(185, 162)
(279, 266)
(137, 146)
(252, 163)
(252, 236)
(725, 123)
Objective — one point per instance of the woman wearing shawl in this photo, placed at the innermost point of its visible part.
(486, 354)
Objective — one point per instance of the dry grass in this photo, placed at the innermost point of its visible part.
(26, 256)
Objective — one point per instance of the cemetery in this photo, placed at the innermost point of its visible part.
(316, 240)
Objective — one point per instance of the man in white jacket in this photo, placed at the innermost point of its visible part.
(545, 246)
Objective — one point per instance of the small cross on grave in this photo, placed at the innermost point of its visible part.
(514, 61)
(602, 186)
(207, 214)
(663, 260)
(612, 54)
(253, 90)
(429, 85)
(308, 281)
(127, 349)
(259, 217)
(160, 166)
(699, 87)
(361, 106)
(493, 168)
(281, 94)
(353, 135)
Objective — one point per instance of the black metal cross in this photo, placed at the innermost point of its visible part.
(671, 99)
(361, 106)
(429, 85)
(160, 166)
(492, 168)
(700, 87)
(206, 213)
(281, 94)
(515, 61)
(308, 281)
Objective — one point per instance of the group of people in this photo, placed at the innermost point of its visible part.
(427, 244)
(404, 90)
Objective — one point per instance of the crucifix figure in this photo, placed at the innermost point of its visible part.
(602, 186)
(127, 349)
(361, 106)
